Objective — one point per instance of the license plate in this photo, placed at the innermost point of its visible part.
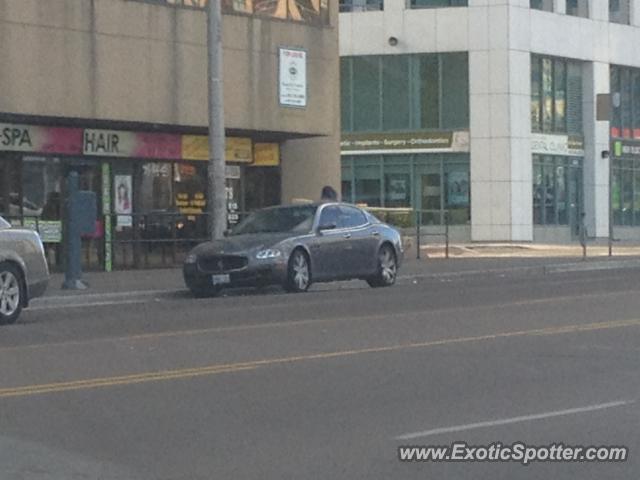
(220, 279)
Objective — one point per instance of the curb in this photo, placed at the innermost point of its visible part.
(89, 299)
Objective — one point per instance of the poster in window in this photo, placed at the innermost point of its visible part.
(123, 200)
(293, 78)
(458, 189)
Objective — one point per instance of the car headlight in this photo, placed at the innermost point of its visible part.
(268, 253)
(191, 258)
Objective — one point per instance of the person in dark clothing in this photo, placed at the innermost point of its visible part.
(328, 194)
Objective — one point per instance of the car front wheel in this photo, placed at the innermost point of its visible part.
(298, 273)
(387, 268)
(11, 293)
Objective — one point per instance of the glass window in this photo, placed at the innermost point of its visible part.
(547, 95)
(437, 3)
(627, 197)
(636, 104)
(366, 93)
(360, 5)
(395, 94)
(626, 102)
(329, 216)
(156, 187)
(346, 107)
(538, 192)
(456, 192)
(559, 96)
(616, 112)
(619, 11)
(351, 217)
(546, 5)
(42, 187)
(428, 105)
(404, 92)
(455, 97)
(578, 8)
(536, 94)
(574, 98)
(562, 205)
(556, 95)
(636, 196)
(367, 181)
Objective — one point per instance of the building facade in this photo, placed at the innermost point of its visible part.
(117, 90)
(514, 120)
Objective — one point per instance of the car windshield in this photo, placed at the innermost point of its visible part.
(4, 223)
(278, 220)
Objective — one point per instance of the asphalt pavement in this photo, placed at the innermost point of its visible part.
(327, 384)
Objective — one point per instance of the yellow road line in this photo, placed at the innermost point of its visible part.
(167, 375)
(301, 323)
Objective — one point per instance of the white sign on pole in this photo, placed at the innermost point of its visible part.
(293, 77)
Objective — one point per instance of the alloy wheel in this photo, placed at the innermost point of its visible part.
(300, 271)
(388, 268)
(9, 294)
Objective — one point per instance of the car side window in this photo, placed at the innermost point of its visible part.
(351, 217)
(329, 216)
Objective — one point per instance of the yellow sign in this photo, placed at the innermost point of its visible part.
(266, 155)
(196, 147)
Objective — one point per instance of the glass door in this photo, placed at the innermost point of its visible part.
(575, 194)
(428, 178)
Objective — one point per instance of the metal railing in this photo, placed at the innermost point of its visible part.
(416, 220)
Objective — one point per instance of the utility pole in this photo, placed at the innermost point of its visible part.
(216, 171)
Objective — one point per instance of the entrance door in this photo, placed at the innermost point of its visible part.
(574, 192)
(429, 194)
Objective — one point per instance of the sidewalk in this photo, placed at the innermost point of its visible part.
(147, 282)
(524, 250)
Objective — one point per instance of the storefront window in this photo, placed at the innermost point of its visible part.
(435, 184)
(557, 190)
(625, 192)
(559, 96)
(625, 102)
(367, 184)
(42, 187)
(156, 187)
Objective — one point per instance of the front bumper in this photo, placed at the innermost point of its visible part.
(253, 275)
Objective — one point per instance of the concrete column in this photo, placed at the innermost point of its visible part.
(500, 125)
(596, 137)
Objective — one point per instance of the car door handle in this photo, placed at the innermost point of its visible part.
(375, 233)
(347, 235)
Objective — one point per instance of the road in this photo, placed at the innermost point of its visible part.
(328, 384)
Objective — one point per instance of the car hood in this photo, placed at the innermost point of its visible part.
(239, 244)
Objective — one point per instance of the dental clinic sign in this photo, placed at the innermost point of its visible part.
(566, 145)
(292, 85)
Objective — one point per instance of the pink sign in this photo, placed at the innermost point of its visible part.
(36, 139)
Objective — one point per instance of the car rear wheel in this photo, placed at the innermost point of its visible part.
(11, 293)
(387, 268)
(298, 273)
